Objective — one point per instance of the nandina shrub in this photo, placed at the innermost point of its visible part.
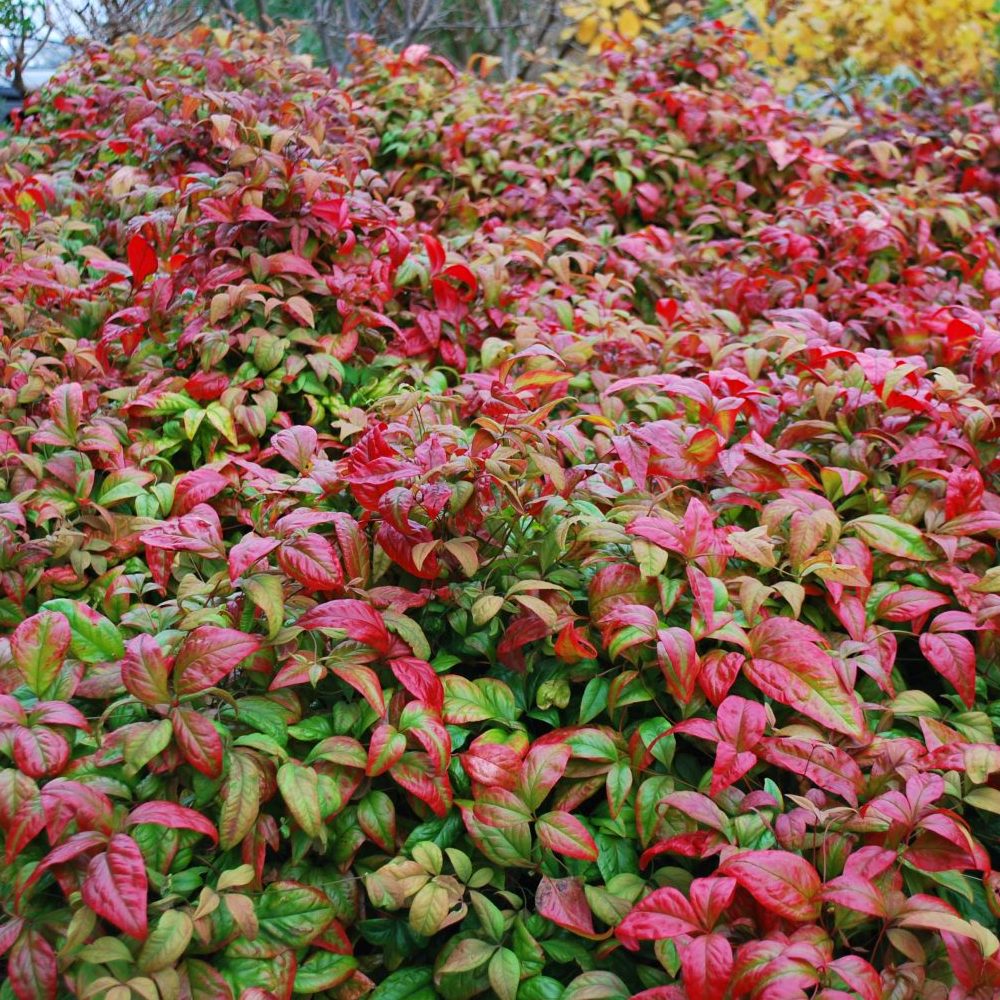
(532, 540)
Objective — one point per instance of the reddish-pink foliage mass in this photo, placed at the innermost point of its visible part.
(457, 539)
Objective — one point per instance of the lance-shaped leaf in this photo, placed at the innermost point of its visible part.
(707, 966)
(311, 561)
(249, 551)
(542, 769)
(675, 650)
(141, 259)
(94, 639)
(115, 886)
(416, 774)
(788, 665)
(31, 967)
(74, 847)
(172, 815)
(421, 722)
(894, 537)
(360, 621)
(663, 914)
(828, 767)
(240, 800)
(299, 786)
(167, 941)
(418, 677)
(954, 658)
(40, 752)
(563, 833)
(562, 901)
(779, 880)
(385, 747)
(39, 645)
(199, 741)
(146, 670)
(296, 444)
(208, 654)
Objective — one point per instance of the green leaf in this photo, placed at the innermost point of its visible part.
(468, 701)
(322, 971)
(377, 817)
(469, 954)
(94, 638)
(413, 983)
(299, 786)
(595, 699)
(167, 941)
(289, 916)
(504, 973)
(894, 537)
(240, 800)
(266, 592)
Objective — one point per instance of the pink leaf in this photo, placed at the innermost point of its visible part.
(954, 658)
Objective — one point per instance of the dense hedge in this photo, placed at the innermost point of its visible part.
(536, 541)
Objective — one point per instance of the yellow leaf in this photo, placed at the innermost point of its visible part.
(628, 25)
(586, 30)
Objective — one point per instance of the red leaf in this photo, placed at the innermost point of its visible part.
(741, 722)
(145, 670)
(730, 765)
(492, 764)
(360, 621)
(172, 815)
(311, 561)
(780, 881)
(416, 774)
(908, 603)
(39, 645)
(859, 975)
(707, 965)
(435, 253)
(563, 833)
(141, 259)
(789, 666)
(196, 487)
(40, 752)
(78, 844)
(364, 680)
(562, 901)
(418, 677)
(31, 967)
(679, 662)
(541, 770)
(857, 894)
(953, 657)
(826, 766)
(386, 746)
(964, 492)
(198, 740)
(115, 886)
(664, 913)
(296, 444)
(208, 654)
(247, 552)
(21, 811)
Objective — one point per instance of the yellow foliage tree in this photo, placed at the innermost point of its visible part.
(599, 24)
(945, 40)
